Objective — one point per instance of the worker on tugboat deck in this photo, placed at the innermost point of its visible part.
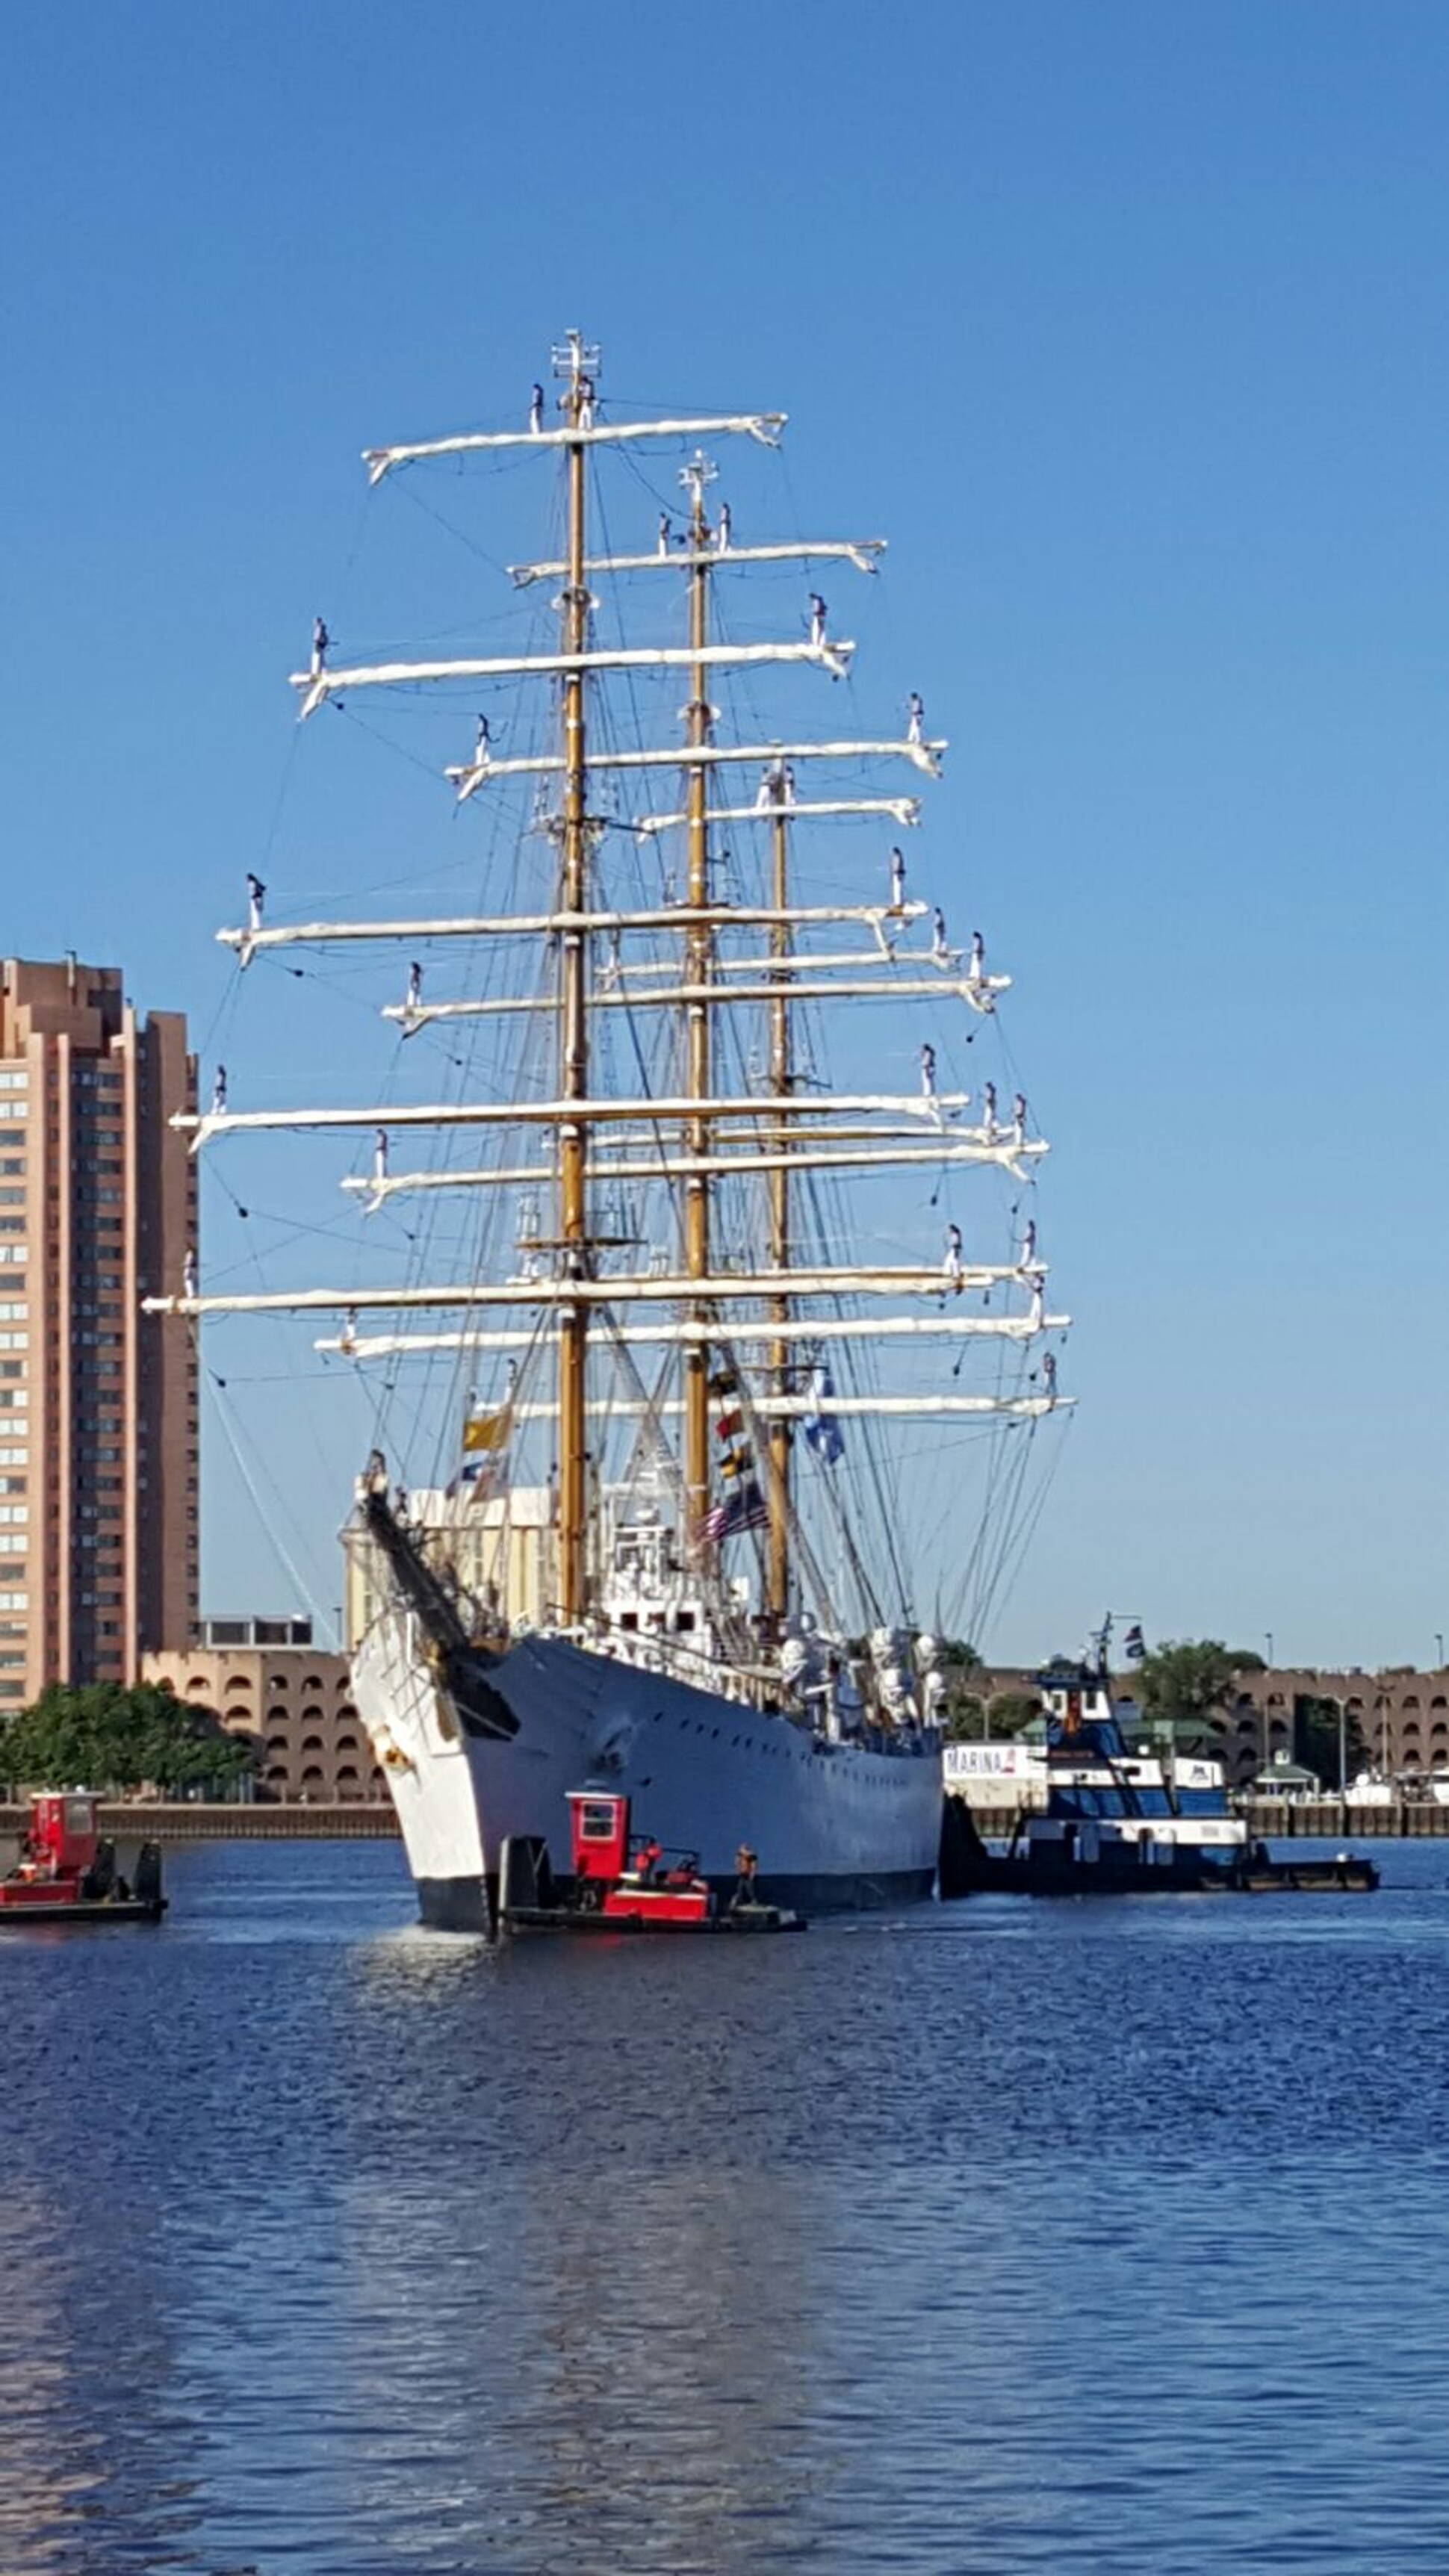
(746, 1865)
(646, 1860)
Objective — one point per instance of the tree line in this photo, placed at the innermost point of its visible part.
(109, 1736)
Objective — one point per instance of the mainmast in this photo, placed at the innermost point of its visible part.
(575, 362)
(699, 953)
(777, 1570)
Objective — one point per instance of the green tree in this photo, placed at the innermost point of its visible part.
(1316, 1739)
(1010, 1711)
(105, 1736)
(965, 1717)
(1184, 1686)
(961, 1706)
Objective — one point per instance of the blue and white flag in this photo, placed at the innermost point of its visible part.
(821, 1428)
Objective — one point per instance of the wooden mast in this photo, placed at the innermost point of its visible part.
(699, 951)
(573, 1027)
(777, 1580)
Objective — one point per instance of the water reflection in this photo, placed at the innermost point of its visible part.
(1011, 2239)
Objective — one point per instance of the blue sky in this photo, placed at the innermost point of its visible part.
(1127, 325)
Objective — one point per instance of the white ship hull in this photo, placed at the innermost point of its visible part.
(834, 1825)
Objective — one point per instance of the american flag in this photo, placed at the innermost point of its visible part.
(742, 1511)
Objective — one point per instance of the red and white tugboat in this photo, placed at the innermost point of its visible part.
(623, 1882)
(67, 1871)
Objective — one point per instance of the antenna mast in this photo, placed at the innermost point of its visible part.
(577, 364)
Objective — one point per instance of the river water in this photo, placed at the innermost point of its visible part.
(991, 2237)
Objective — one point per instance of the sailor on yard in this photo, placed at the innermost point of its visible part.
(988, 1112)
(977, 967)
(320, 641)
(415, 986)
(952, 1262)
(379, 1158)
(218, 1091)
(586, 402)
(898, 880)
(915, 718)
(817, 619)
(1049, 1376)
(939, 950)
(256, 900)
(535, 411)
(188, 1273)
(482, 739)
(928, 1071)
(723, 532)
(1018, 1118)
(1028, 1245)
(666, 530)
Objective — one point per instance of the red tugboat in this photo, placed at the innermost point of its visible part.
(622, 1882)
(67, 1870)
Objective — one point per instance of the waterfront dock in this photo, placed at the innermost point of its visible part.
(188, 1821)
(1280, 1818)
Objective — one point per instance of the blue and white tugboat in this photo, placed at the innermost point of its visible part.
(1119, 1823)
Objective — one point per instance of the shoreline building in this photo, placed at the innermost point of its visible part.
(289, 1699)
(98, 1419)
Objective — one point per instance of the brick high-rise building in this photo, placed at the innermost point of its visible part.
(98, 1423)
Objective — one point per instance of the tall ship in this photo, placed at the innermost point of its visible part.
(684, 1285)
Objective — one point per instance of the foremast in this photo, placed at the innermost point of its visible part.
(699, 959)
(777, 1551)
(574, 362)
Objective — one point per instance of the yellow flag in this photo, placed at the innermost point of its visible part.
(487, 1430)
